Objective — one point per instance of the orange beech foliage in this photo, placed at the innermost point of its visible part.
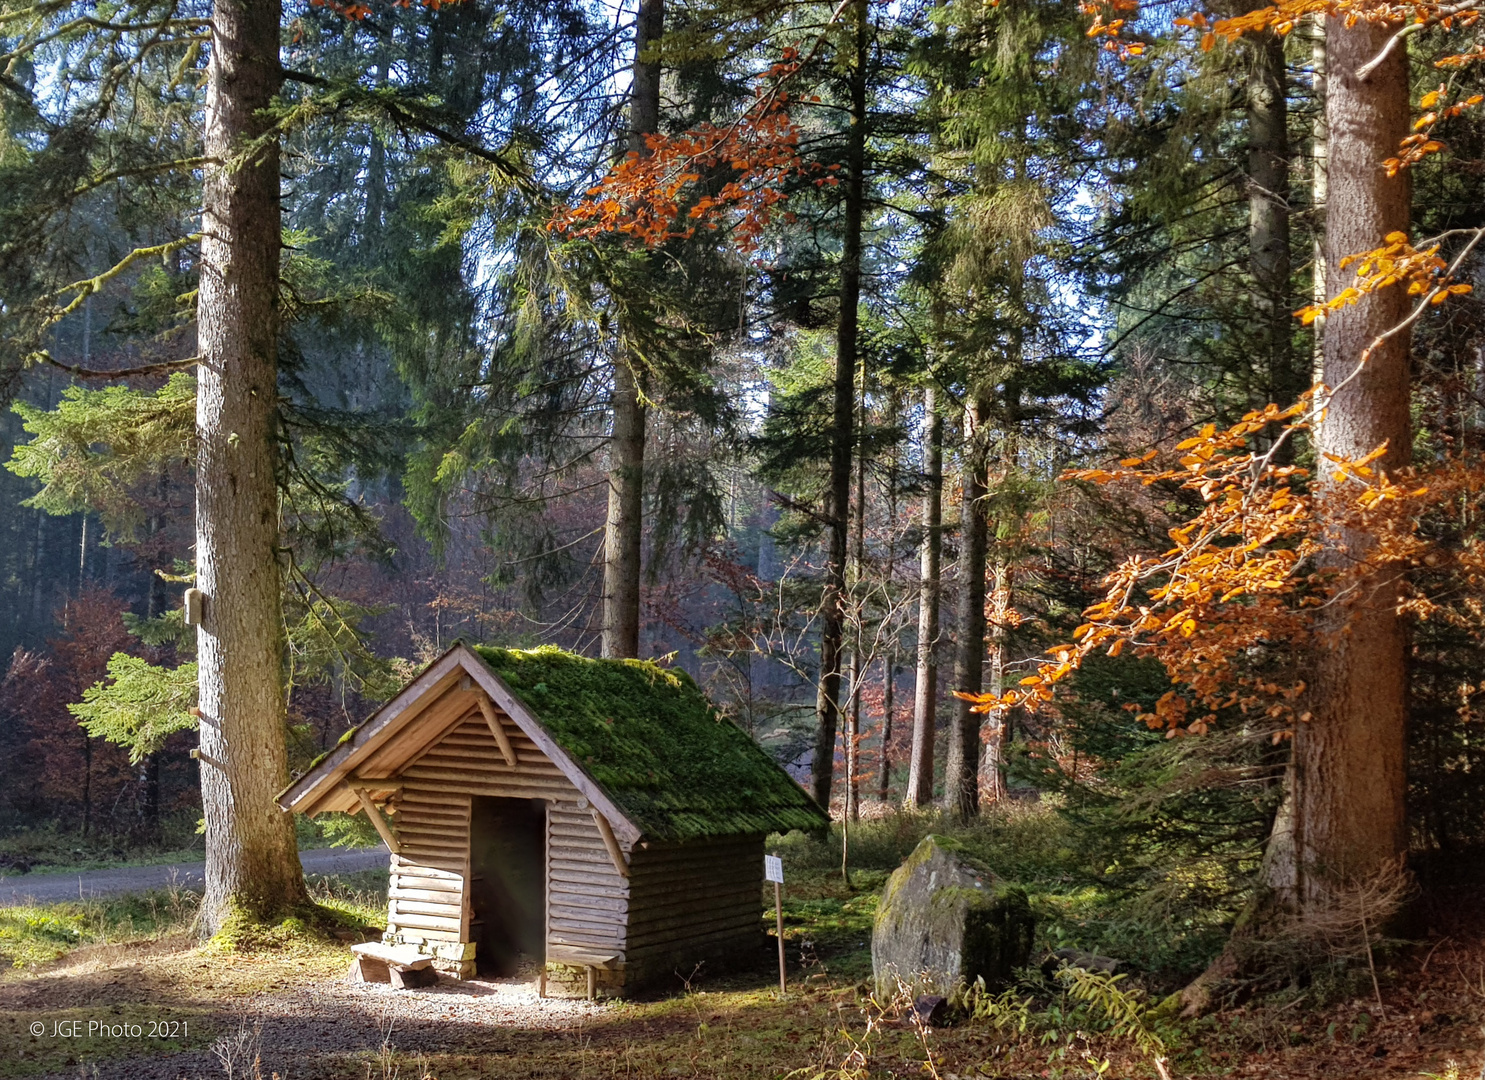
(661, 195)
(1392, 264)
(1110, 17)
(1240, 579)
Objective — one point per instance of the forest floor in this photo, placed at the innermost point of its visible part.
(140, 999)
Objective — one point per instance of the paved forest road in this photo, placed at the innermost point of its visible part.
(24, 888)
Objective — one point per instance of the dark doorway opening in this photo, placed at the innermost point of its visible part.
(507, 871)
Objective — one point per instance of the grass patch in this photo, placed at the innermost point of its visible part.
(34, 934)
(1032, 844)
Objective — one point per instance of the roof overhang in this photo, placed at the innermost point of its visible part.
(425, 710)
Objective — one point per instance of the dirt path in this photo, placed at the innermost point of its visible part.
(43, 888)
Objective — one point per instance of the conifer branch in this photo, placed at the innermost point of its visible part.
(406, 115)
(90, 21)
(88, 286)
(44, 357)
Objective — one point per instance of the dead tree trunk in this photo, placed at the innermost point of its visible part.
(252, 863)
(993, 732)
(925, 692)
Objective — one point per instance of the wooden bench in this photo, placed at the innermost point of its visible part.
(401, 965)
(588, 959)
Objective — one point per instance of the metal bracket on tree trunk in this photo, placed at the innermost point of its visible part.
(197, 755)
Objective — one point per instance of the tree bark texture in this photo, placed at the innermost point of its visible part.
(889, 662)
(252, 863)
(1319, 150)
(624, 529)
(1269, 254)
(842, 428)
(961, 764)
(1349, 808)
(925, 692)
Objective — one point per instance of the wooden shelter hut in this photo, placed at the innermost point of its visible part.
(595, 815)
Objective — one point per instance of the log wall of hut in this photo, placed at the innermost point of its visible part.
(586, 901)
(680, 905)
(690, 904)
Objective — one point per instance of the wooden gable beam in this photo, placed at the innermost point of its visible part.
(374, 816)
(531, 727)
(487, 707)
(615, 853)
(310, 792)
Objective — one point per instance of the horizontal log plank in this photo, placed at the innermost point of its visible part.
(427, 884)
(450, 897)
(414, 907)
(666, 943)
(428, 922)
(406, 865)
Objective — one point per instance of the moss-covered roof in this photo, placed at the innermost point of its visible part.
(647, 735)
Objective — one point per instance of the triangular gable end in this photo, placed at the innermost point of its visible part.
(328, 776)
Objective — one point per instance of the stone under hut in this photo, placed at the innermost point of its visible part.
(594, 816)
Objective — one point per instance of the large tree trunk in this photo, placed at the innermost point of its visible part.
(1268, 217)
(252, 864)
(842, 427)
(961, 766)
(1343, 816)
(624, 529)
(1350, 774)
(925, 692)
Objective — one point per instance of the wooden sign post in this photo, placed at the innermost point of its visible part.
(773, 870)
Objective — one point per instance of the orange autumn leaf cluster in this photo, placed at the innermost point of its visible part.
(678, 186)
(1417, 146)
(1110, 17)
(1396, 262)
(1238, 581)
(1285, 16)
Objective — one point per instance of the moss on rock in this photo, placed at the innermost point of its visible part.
(945, 920)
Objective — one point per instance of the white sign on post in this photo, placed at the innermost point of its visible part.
(773, 869)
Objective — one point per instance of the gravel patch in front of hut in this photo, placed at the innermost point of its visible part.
(307, 1032)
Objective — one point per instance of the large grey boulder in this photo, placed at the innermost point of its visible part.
(945, 920)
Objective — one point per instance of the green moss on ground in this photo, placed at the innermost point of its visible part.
(649, 737)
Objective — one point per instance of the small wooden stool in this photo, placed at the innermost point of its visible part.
(401, 965)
